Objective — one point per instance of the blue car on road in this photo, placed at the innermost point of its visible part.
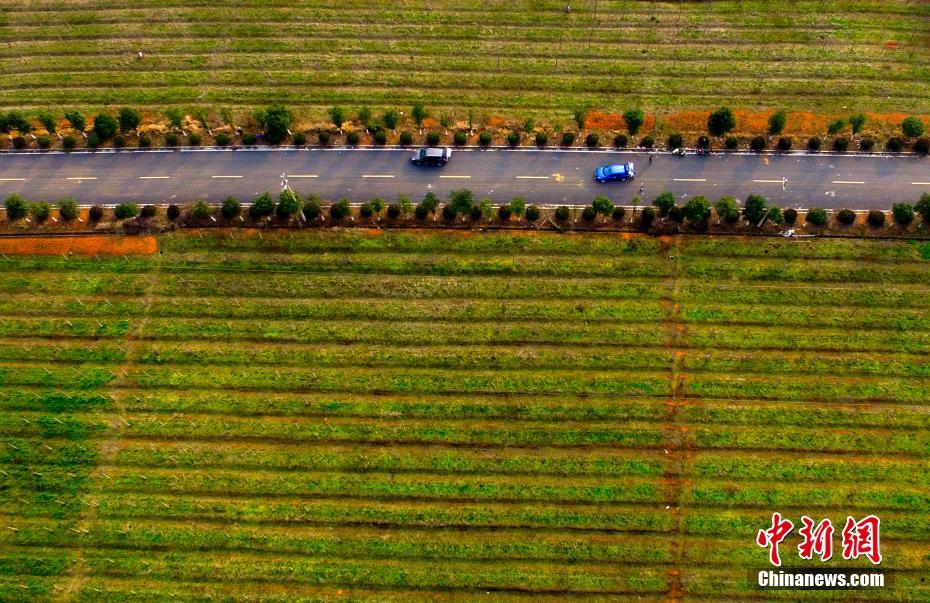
(620, 172)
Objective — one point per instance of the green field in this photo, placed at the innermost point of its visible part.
(403, 416)
(509, 59)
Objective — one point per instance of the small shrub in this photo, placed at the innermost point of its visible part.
(421, 212)
(542, 139)
(193, 139)
(727, 210)
(393, 211)
(104, 126)
(513, 139)
(776, 216)
(721, 121)
(866, 145)
(324, 138)
(366, 211)
(517, 206)
(313, 207)
(646, 218)
(620, 141)
(922, 146)
(40, 211)
(791, 216)
(406, 138)
(432, 138)
(201, 210)
(148, 211)
(19, 143)
(380, 136)
(835, 127)
(377, 205)
(876, 218)
(390, 118)
(93, 141)
(300, 139)
(903, 213)
(777, 122)
(588, 214)
(817, 216)
(894, 144)
(222, 139)
(476, 213)
(532, 213)
(262, 206)
(846, 216)
(145, 142)
(504, 212)
(173, 212)
(95, 214)
(923, 207)
(676, 214)
(352, 138)
(124, 211)
(340, 209)
(568, 138)
(484, 138)
(430, 202)
(758, 143)
(912, 127)
(634, 119)
(675, 141)
(618, 213)
(119, 141)
(44, 142)
(647, 142)
(784, 144)
(250, 140)
(562, 213)
(664, 202)
(703, 142)
(68, 209)
(813, 144)
(731, 143)
(288, 205)
(840, 144)
(171, 139)
(592, 140)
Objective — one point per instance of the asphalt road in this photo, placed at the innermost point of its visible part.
(542, 177)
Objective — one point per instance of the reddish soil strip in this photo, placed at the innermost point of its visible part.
(83, 245)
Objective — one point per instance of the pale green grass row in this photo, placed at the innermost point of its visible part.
(386, 310)
(194, 428)
(538, 357)
(376, 59)
(245, 286)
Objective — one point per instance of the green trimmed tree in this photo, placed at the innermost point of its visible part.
(105, 126)
(129, 119)
(76, 119)
(817, 216)
(634, 119)
(124, 211)
(721, 121)
(262, 206)
(755, 208)
(912, 127)
(288, 205)
(602, 205)
(664, 202)
(697, 209)
(777, 122)
(201, 210)
(903, 213)
(68, 209)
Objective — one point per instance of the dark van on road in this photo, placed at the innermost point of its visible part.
(432, 156)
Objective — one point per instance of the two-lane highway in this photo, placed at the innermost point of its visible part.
(541, 176)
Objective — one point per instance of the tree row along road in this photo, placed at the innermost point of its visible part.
(541, 176)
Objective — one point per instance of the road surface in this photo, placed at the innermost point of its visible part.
(541, 176)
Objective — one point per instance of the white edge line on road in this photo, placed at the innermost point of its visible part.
(690, 179)
(377, 175)
(82, 178)
(226, 176)
(848, 182)
(154, 177)
(532, 177)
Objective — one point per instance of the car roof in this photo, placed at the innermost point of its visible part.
(617, 168)
(435, 152)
